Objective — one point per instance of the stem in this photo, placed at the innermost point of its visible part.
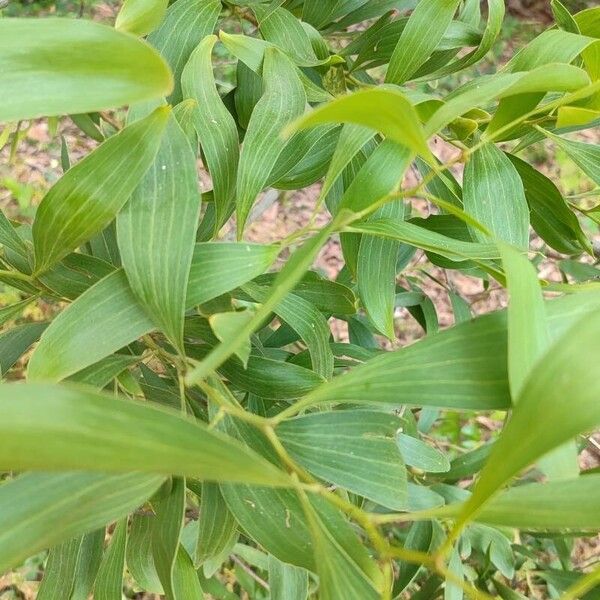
(16, 275)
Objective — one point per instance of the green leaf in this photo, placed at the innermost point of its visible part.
(185, 579)
(109, 583)
(88, 563)
(283, 100)
(475, 378)
(34, 503)
(140, 562)
(528, 340)
(376, 271)
(452, 590)
(156, 231)
(309, 324)
(493, 194)
(10, 238)
(352, 138)
(547, 506)
(550, 214)
(226, 324)
(528, 335)
(217, 526)
(12, 311)
(352, 449)
(185, 24)
(563, 17)
(169, 508)
(16, 341)
(421, 36)
(421, 538)
(140, 17)
(216, 128)
(59, 571)
(64, 422)
(284, 282)
(286, 581)
(541, 420)
(552, 77)
(90, 194)
(284, 30)
(74, 342)
(385, 110)
(104, 371)
(338, 574)
(417, 453)
(585, 156)
(412, 234)
(93, 67)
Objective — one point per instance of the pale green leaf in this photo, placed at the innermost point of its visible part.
(109, 583)
(156, 231)
(33, 504)
(93, 67)
(542, 420)
(493, 194)
(417, 453)
(282, 101)
(185, 24)
(215, 127)
(62, 425)
(421, 36)
(140, 17)
(385, 110)
(90, 194)
(169, 508)
(74, 342)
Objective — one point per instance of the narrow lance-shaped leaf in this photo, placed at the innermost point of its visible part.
(156, 232)
(420, 38)
(59, 571)
(528, 340)
(355, 449)
(284, 282)
(93, 67)
(185, 24)
(74, 341)
(585, 156)
(286, 581)
(216, 526)
(475, 377)
(384, 110)
(170, 511)
(216, 128)
(138, 557)
(493, 193)
(64, 421)
(109, 583)
(338, 574)
(90, 194)
(551, 216)
(32, 504)
(282, 101)
(283, 29)
(308, 322)
(558, 401)
(432, 241)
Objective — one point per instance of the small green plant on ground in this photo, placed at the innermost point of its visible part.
(190, 395)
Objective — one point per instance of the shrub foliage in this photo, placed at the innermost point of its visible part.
(188, 392)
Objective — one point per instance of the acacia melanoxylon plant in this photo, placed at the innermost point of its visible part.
(188, 395)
